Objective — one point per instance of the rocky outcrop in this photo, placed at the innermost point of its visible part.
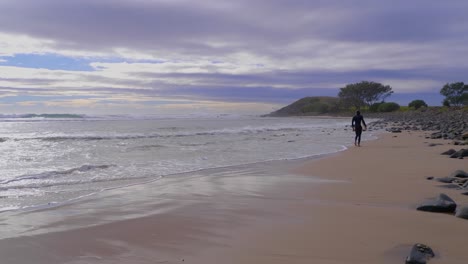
(448, 123)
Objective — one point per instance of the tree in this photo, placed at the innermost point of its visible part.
(455, 94)
(417, 104)
(364, 93)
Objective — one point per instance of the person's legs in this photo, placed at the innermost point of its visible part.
(358, 136)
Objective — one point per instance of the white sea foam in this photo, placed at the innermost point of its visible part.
(62, 160)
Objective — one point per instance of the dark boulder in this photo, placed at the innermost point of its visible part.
(462, 212)
(443, 204)
(420, 254)
(460, 154)
(459, 174)
(436, 135)
(429, 178)
(448, 152)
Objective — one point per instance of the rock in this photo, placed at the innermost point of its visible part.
(463, 152)
(462, 212)
(420, 254)
(460, 154)
(429, 178)
(435, 144)
(436, 135)
(460, 181)
(465, 185)
(448, 152)
(451, 186)
(445, 179)
(465, 135)
(443, 204)
(459, 174)
(395, 130)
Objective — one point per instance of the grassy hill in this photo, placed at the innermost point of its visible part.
(315, 105)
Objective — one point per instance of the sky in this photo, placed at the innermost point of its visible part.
(213, 56)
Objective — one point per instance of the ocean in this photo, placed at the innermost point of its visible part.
(49, 161)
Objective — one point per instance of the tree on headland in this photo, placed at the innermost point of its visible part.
(364, 94)
(416, 104)
(456, 94)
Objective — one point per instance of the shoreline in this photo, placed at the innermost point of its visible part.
(328, 210)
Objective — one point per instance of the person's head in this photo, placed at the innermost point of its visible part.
(358, 112)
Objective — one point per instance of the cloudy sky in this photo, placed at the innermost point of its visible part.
(213, 56)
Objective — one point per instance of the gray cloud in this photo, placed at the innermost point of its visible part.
(245, 25)
(347, 32)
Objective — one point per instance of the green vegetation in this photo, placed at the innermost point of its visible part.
(384, 107)
(320, 105)
(363, 94)
(388, 107)
(456, 94)
(310, 106)
(416, 104)
(370, 97)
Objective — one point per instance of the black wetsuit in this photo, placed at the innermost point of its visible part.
(356, 124)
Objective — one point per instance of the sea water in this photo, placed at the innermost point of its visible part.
(50, 161)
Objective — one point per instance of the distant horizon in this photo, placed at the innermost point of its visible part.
(242, 57)
(406, 99)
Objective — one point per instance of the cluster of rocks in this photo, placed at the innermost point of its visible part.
(450, 123)
(443, 203)
(456, 154)
(457, 180)
(420, 253)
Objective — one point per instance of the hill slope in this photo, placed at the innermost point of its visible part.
(315, 105)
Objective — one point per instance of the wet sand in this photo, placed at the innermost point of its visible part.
(357, 206)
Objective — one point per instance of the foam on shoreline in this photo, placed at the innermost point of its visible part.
(354, 207)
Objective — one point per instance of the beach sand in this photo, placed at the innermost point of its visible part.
(357, 206)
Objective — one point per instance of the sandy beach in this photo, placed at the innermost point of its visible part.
(357, 206)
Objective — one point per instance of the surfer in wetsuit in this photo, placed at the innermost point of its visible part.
(356, 124)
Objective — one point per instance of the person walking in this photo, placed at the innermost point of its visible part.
(357, 127)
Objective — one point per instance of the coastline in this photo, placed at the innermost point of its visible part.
(355, 206)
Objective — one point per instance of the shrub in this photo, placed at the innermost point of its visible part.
(388, 107)
(416, 104)
(375, 107)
